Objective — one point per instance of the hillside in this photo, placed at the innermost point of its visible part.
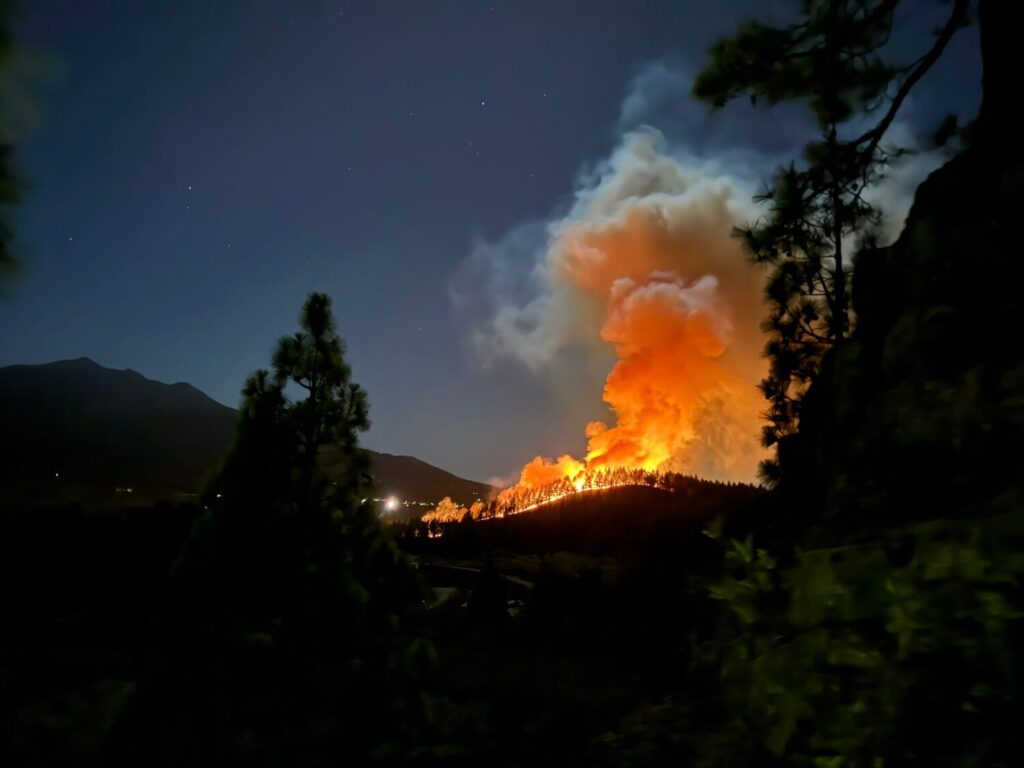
(406, 477)
(75, 429)
(624, 522)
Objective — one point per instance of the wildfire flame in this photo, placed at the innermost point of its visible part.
(648, 254)
(447, 511)
(526, 497)
(645, 263)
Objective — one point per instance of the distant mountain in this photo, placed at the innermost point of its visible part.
(74, 429)
(406, 477)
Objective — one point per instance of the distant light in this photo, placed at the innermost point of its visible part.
(218, 495)
(56, 474)
(391, 504)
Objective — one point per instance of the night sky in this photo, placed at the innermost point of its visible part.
(196, 168)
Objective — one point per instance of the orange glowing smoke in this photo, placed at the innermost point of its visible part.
(648, 258)
(447, 511)
(539, 472)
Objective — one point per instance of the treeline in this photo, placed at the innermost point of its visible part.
(521, 498)
(622, 520)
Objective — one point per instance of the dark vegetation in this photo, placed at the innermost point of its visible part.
(817, 211)
(868, 611)
(279, 640)
(620, 522)
(875, 616)
(80, 592)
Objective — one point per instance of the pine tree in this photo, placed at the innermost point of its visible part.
(817, 211)
(279, 643)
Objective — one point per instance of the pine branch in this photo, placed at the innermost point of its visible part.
(957, 19)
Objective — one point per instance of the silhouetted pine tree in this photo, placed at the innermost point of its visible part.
(279, 645)
(817, 212)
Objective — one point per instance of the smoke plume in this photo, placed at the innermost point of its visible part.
(643, 265)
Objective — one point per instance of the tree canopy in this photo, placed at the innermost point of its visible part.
(279, 643)
(832, 60)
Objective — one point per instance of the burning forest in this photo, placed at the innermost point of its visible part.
(645, 266)
(527, 497)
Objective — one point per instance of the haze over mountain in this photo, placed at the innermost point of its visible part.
(75, 429)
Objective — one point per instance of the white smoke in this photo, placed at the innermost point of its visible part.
(650, 227)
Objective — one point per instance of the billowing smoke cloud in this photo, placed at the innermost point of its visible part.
(541, 472)
(643, 264)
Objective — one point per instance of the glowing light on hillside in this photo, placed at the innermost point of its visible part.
(528, 496)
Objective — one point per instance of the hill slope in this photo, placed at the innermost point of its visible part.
(627, 521)
(409, 478)
(75, 429)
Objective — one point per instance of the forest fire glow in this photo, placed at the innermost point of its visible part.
(524, 497)
(645, 263)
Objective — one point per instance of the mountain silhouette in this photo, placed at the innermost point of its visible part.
(74, 429)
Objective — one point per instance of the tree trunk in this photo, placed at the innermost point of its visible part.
(1002, 23)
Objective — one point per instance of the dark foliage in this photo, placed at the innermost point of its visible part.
(80, 589)
(279, 643)
(831, 59)
(875, 616)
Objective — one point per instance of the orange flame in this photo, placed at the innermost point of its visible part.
(647, 264)
(683, 387)
(447, 511)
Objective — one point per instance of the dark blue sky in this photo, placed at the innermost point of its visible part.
(198, 167)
